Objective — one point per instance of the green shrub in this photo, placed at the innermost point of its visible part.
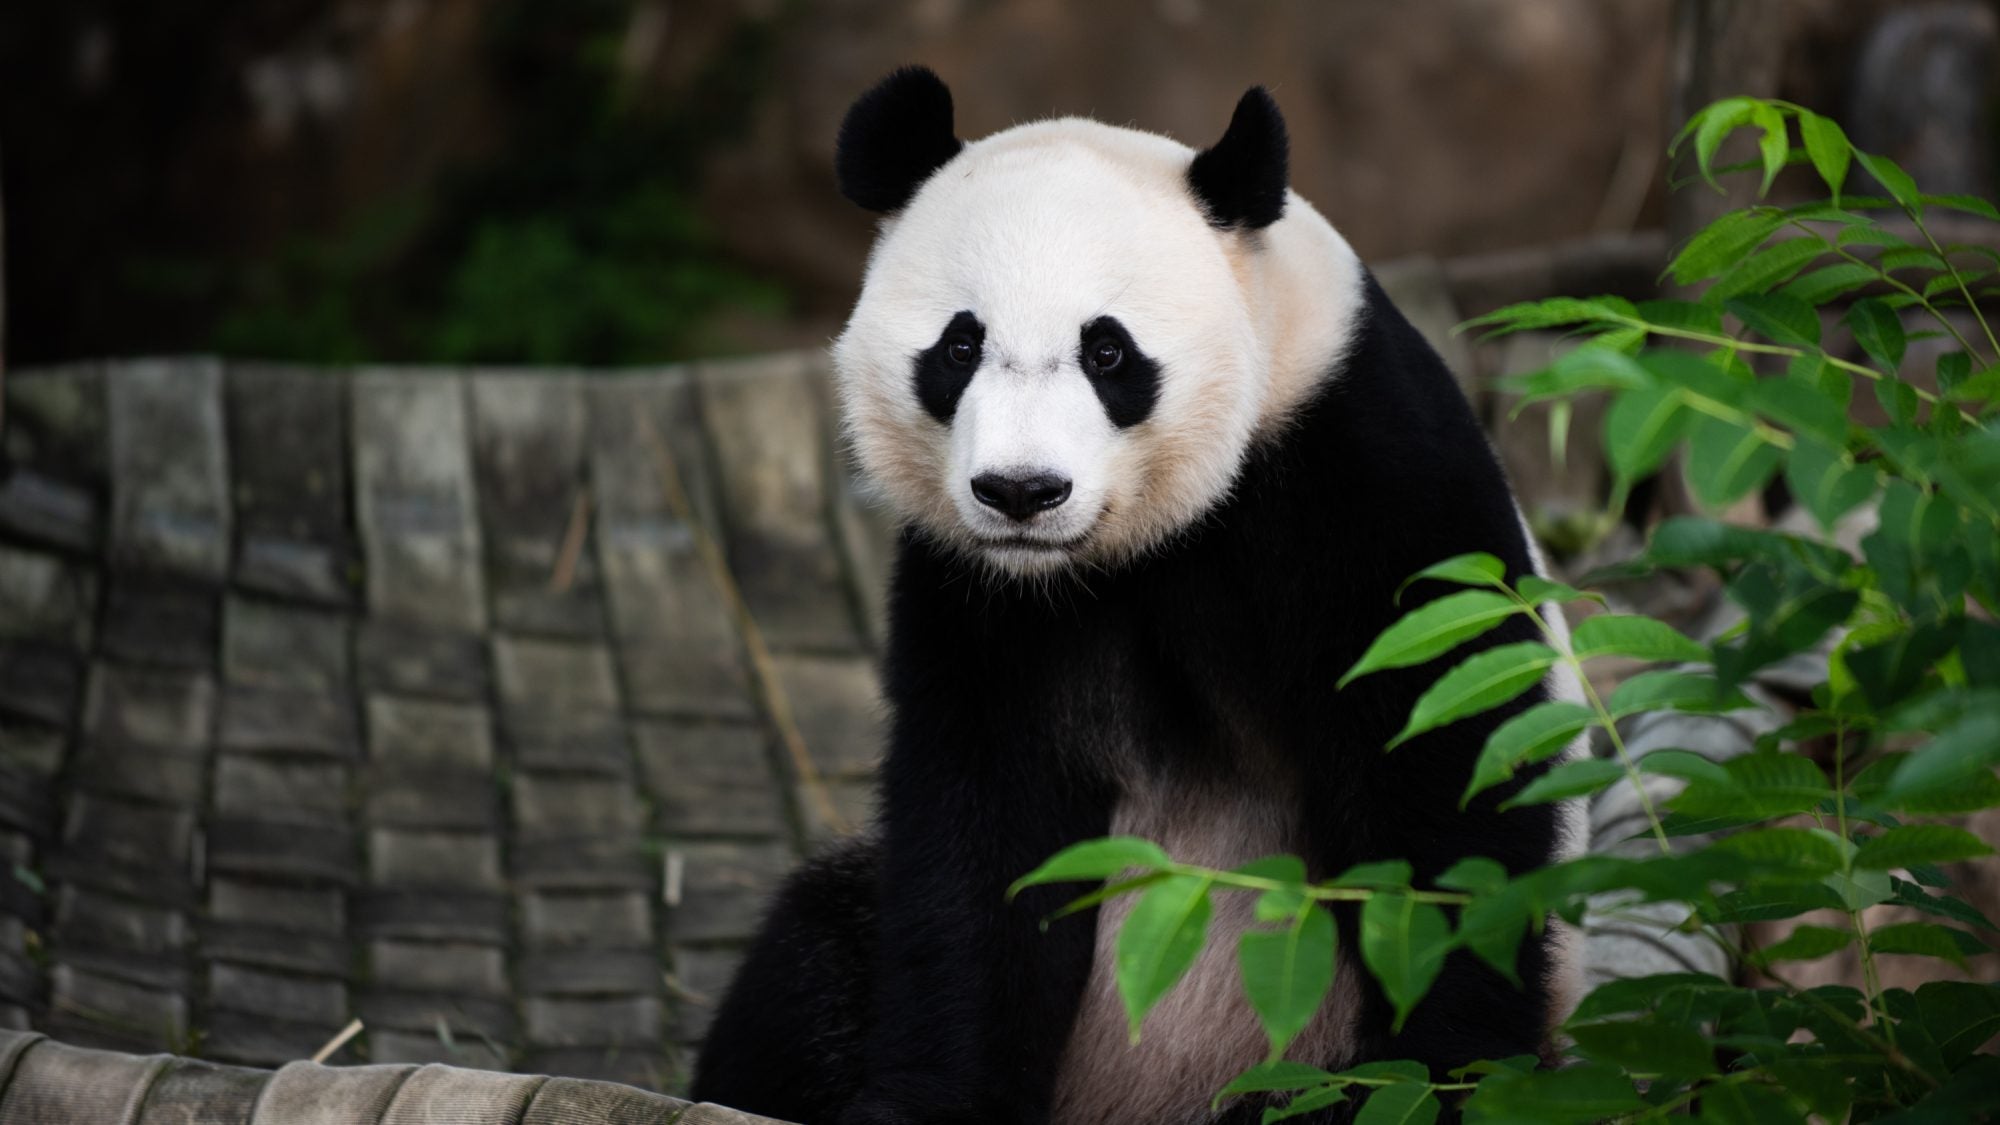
(1911, 706)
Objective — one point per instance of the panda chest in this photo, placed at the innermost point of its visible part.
(1203, 1033)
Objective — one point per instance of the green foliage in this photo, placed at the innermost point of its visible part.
(1750, 382)
(579, 242)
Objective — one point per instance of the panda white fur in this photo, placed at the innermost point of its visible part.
(1163, 452)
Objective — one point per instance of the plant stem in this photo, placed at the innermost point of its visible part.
(1963, 289)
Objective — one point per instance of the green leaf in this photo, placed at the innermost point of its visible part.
(1387, 874)
(1743, 1103)
(1828, 147)
(1434, 629)
(1647, 1046)
(1727, 459)
(1919, 843)
(1807, 943)
(1803, 405)
(1859, 890)
(1894, 180)
(1878, 330)
(1772, 265)
(1305, 1103)
(1484, 681)
(1403, 943)
(1287, 972)
(1531, 736)
(1774, 146)
(1094, 859)
(1779, 318)
(1714, 123)
(1970, 204)
(1474, 874)
(1798, 851)
(1585, 1092)
(1723, 243)
(1829, 282)
(1758, 786)
(1159, 942)
(1926, 939)
(1959, 1015)
(1909, 894)
(1770, 902)
(1641, 638)
(1274, 1077)
(1571, 779)
(1826, 481)
(1475, 569)
(1641, 428)
(1969, 745)
(1890, 671)
(1669, 689)
(1537, 590)
(1402, 1104)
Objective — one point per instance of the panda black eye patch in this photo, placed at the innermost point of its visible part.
(944, 368)
(1126, 379)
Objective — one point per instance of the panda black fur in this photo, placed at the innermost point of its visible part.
(1211, 451)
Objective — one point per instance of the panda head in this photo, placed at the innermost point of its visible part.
(1058, 356)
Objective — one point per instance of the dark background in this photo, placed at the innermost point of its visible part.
(620, 181)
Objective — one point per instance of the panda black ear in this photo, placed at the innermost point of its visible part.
(1240, 179)
(893, 138)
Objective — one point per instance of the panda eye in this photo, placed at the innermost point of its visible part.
(1105, 356)
(962, 352)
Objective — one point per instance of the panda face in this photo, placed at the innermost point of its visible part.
(1053, 362)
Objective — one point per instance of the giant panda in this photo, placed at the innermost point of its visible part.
(1163, 453)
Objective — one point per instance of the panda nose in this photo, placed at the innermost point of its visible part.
(1020, 497)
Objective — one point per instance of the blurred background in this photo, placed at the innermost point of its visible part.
(623, 181)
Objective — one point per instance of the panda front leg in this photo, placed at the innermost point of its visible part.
(972, 1000)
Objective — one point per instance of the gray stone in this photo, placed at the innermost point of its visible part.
(866, 530)
(412, 660)
(625, 1021)
(837, 705)
(270, 947)
(31, 748)
(145, 838)
(387, 1046)
(570, 806)
(170, 508)
(432, 916)
(701, 978)
(56, 420)
(48, 510)
(149, 708)
(43, 598)
(296, 851)
(643, 1066)
(142, 773)
(432, 799)
(414, 498)
(614, 920)
(288, 465)
(160, 974)
(279, 996)
(558, 674)
(87, 919)
(710, 779)
(39, 682)
(768, 419)
(276, 645)
(461, 1096)
(590, 972)
(257, 1041)
(468, 1018)
(410, 859)
(567, 742)
(724, 889)
(323, 1095)
(417, 734)
(288, 721)
(150, 619)
(696, 678)
(53, 1083)
(146, 1015)
(312, 911)
(852, 801)
(27, 801)
(288, 790)
(595, 863)
(452, 967)
(528, 433)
